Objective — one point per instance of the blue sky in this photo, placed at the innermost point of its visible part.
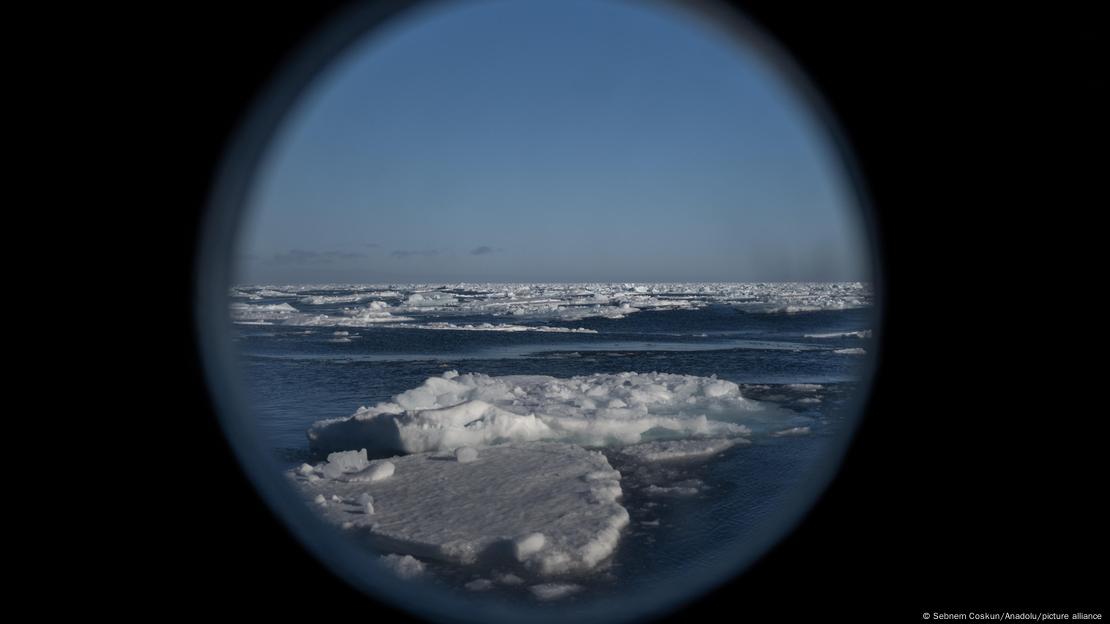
(578, 140)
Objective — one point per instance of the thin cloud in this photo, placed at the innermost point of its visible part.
(483, 250)
(408, 253)
(304, 256)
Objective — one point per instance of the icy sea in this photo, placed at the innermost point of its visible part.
(316, 353)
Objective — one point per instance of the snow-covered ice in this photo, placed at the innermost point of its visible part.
(670, 450)
(343, 462)
(527, 545)
(479, 584)
(534, 302)
(378, 471)
(498, 472)
(549, 508)
(509, 579)
(497, 327)
(688, 487)
(476, 410)
(404, 566)
(793, 431)
(866, 333)
(554, 591)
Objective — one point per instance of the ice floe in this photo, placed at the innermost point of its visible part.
(318, 300)
(545, 508)
(793, 431)
(452, 410)
(554, 591)
(866, 333)
(688, 487)
(501, 474)
(404, 566)
(479, 584)
(670, 450)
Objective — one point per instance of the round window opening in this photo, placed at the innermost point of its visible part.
(530, 311)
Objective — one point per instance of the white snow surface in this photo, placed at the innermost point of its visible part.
(549, 508)
(476, 410)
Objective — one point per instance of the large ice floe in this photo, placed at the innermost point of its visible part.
(455, 410)
(546, 508)
(504, 472)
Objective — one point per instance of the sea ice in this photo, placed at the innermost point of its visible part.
(669, 450)
(549, 508)
(480, 584)
(793, 431)
(528, 545)
(367, 503)
(378, 471)
(866, 333)
(689, 487)
(554, 591)
(404, 566)
(497, 327)
(343, 462)
(539, 302)
(452, 410)
(509, 579)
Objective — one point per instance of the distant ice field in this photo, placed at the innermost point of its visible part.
(700, 406)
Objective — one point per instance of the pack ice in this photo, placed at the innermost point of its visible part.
(547, 508)
(453, 410)
(390, 305)
(497, 473)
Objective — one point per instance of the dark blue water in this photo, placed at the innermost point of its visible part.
(297, 375)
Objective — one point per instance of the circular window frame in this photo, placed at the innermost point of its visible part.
(213, 270)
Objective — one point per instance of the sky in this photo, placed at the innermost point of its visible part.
(570, 140)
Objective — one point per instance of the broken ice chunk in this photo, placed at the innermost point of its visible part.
(376, 472)
(344, 462)
(528, 545)
(793, 431)
(554, 591)
(479, 585)
(404, 566)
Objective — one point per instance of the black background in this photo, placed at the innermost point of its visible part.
(976, 481)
